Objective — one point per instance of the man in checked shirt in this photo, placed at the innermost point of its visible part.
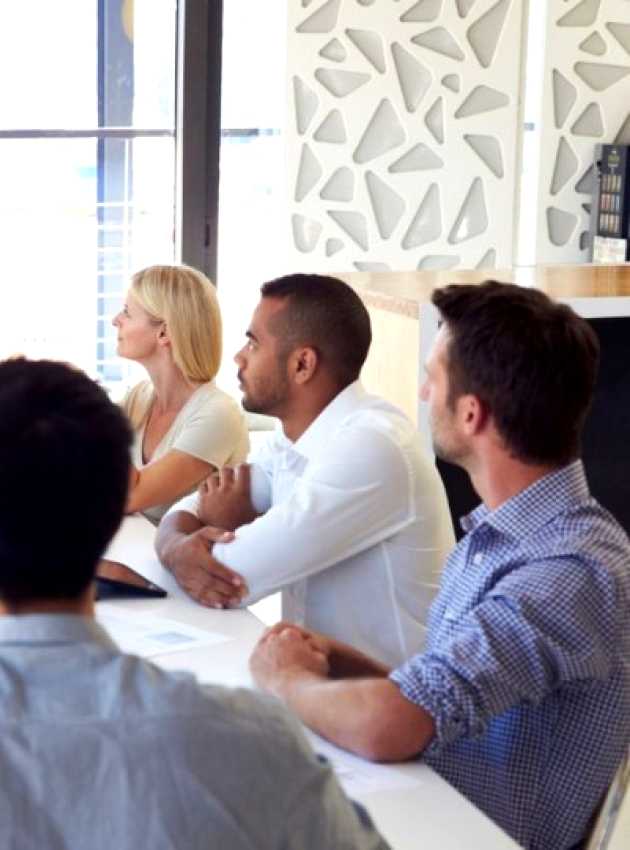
(521, 698)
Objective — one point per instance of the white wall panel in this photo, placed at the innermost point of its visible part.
(586, 101)
(402, 139)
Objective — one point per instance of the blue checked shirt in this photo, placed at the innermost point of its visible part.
(526, 671)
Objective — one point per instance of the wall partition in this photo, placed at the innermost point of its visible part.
(586, 100)
(403, 133)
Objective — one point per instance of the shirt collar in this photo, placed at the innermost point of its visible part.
(529, 510)
(319, 432)
(52, 629)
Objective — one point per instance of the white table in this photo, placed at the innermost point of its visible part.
(413, 807)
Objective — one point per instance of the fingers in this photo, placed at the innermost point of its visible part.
(229, 477)
(243, 477)
(217, 571)
(210, 588)
(226, 478)
(212, 594)
(216, 535)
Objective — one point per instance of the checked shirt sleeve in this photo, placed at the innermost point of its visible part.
(544, 625)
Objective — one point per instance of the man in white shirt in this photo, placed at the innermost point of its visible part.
(340, 509)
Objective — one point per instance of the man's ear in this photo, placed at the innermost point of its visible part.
(303, 363)
(472, 414)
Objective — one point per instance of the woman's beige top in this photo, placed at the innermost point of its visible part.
(210, 426)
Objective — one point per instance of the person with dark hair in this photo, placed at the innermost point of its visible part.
(521, 698)
(100, 749)
(340, 509)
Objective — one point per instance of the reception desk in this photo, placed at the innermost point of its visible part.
(394, 300)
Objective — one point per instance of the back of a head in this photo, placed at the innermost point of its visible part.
(326, 314)
(532, 361)
(64, 456)
(186, 301)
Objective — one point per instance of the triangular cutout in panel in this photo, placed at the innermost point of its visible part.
(340, 186)
(388, 206)
(332, 129)
(434, 119)
(482, 99)
(370, 44)
(452, 82)
(622, 34)
(590, 122)
(623, 136)
(560, 226)
(438, 262)
(340, 83)
(586, 183)
(353, 224)
(488, 150)
(600, 77)
(423, 12)
(593, 44)
(334, 50)
(306, 233)
(582, 15)
(414, 79)
(564, 96)
(333, 246)
(565, 167)
(372, 267)
(464, 7)
(489, 260)
(323, 20)
(472, 219)
(440, 41)
(485, 33)
(419, 158)
(383, 132)
(309, 173)
(306, 103)
(427, 222)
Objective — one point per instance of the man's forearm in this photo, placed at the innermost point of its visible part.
(368, 716)
(172, 531)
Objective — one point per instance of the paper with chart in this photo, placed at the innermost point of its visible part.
(147, 635)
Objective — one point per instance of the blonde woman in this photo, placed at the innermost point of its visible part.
(184, 425)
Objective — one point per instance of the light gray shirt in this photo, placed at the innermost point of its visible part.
(100, 750)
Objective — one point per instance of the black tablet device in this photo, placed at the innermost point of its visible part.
(116, 581)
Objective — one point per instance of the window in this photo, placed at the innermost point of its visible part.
(87, 164)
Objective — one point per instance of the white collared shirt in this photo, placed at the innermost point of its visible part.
(354, 528)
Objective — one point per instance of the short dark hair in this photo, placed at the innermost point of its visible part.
(64, 461)
(532, 361)
(327, 314)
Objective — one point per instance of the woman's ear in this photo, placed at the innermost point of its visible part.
(163, 337)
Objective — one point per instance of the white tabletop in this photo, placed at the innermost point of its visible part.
(411, 805)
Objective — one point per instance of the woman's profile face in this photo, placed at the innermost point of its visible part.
(137, 331)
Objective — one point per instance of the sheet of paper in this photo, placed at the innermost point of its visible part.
(359, 777)
(148, 636)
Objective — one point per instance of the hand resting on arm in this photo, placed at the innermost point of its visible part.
(365, 714)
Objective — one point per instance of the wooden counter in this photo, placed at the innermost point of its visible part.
(394, 298)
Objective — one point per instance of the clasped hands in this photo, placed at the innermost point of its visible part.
(286, 651)
(224, 505)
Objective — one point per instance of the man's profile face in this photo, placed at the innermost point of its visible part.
(448, 443)
(262, 369)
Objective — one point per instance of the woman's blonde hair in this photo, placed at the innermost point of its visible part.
(186, 301)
